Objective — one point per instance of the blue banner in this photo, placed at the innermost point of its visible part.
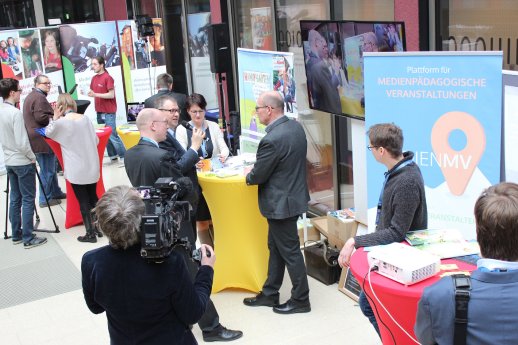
(449, 108)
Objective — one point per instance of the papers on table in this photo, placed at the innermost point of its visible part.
(445, 243)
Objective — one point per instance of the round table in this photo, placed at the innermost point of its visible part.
(240, 234)
(399, 299)
(129, 135)
(73, 214)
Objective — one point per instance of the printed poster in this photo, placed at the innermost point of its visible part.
(142, 59)
(203, 80)
(260, 71)
(449, 108)
(27, 53)
(80, 43)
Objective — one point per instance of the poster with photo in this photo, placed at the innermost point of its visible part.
(10, 55)
(204, 81)
(261, 23)
(80, 43)
(22, 55)
(260, 71)
(142, 58)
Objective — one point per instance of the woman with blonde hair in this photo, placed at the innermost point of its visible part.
(76, 135)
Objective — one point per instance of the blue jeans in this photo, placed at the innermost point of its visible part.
(22, 181)
(115, 146)
(48, 175)
(368, 312)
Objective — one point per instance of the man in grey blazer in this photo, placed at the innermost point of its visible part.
(491, 316)
(280, 172)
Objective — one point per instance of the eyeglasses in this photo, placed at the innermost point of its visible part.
(264, 106)
(372, 147)
(196, 112)
(172, 111)
(47, 83)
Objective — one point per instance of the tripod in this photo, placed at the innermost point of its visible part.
(35, 209)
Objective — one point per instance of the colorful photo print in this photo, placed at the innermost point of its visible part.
(51, 50)
(156, 43)
(31, 52)
(127, 30)
(10, 55)
(83, 42)
(198, 25)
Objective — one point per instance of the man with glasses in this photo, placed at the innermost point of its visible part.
(165, 85)
(20, 164)
(36, 114)
(402, 203)
(145, 163)
(280, 173)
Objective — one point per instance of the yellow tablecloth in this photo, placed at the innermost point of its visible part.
(240, 233)
(129, 135)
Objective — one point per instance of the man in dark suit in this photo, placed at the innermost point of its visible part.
(145, 163)
(164, 85)
(186, 159)
(280, 172)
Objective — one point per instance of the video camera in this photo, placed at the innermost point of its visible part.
(160, 225)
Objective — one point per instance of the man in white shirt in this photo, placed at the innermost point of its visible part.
(20, 165)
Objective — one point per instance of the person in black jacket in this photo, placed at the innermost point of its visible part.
(145, 303)
(164, 85)
(280, 173)
(145, 163)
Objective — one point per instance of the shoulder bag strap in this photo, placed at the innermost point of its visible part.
(462, 285)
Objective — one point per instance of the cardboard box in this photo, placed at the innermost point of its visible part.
(338, 231)
(313, 235)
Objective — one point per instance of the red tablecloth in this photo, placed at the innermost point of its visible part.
(73, 214)
(400, 300)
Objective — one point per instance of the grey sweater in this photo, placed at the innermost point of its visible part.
(403, 206)
(13, 137)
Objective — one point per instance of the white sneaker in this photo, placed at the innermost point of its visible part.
(121, 162)
(112, 161)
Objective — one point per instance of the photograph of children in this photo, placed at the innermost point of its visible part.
(10, 55)
(157, 51)
(198, 24)
(31, 53)
(51, 50)
(82, 42)
(261, 21)
(126, 40)
(133, 110)
(284, 83)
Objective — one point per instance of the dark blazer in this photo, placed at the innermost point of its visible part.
(280, 170)
(492, 316)
(179, 97)
(145, 163)
(186, 160)
(36, 114)
(144, 303)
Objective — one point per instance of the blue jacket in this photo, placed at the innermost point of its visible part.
(492, 310)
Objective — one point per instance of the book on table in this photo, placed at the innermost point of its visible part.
(445, 243)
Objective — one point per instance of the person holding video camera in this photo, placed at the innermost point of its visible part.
(145, 303)
(145, 163)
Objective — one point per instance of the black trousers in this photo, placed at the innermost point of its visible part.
(86, 195)
(210, 319)
(284, 246)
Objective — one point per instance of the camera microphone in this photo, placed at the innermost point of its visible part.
(184, 185)
(187, 125)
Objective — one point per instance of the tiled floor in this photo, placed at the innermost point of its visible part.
(64, 319)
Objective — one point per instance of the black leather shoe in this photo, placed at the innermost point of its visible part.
(221, 334)
(292, 307)
(261, 300)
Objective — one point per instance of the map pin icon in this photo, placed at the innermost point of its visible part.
(458, 166)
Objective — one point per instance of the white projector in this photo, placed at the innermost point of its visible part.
(403, 263)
